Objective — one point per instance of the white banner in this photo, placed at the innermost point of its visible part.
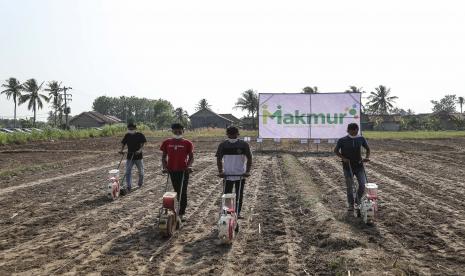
(309, 116)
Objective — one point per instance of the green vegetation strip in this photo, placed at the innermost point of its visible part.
(114, 130)
(58, 134)
(413, 134)
(200, 133)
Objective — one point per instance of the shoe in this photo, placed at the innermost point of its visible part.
(183, 219)
(240, 217)
(350, 209)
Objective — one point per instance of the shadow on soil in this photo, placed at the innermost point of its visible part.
(205, 248)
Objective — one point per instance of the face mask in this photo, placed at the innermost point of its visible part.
(177, 136)
(232, 140)
(131, 131)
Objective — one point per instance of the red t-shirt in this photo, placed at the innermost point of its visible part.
(178, 151)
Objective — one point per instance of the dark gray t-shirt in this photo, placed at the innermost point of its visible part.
(350, 148)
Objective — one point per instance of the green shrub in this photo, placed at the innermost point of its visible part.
(3, 138)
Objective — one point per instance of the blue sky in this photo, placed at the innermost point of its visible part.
(183, 51)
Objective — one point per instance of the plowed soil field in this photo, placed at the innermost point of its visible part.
(55, 217)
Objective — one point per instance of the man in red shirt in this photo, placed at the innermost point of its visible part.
(177, 159)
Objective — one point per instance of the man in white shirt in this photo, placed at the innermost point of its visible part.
(234, 161)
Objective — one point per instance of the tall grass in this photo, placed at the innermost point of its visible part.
(200, 133)
(120, 129)
(423, 134)
(59, 134)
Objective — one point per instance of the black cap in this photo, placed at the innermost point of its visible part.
(132, 125)
(176, 126)
(352, 126)
(232, 130)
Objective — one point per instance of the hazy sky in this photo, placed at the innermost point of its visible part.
(183, 51)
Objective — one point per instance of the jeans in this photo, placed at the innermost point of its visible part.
(140, 168)
(228, 189)
(361, 179)
(176, 180)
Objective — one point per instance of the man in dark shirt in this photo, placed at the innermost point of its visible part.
(135, 142)
(234, 161)
(348, 148)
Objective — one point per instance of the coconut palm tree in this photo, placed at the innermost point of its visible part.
(33, 97)
(54, 89)
(461, 101)
(60, 109)
(181, 116)
(354, 89)
(249, 102)
(203, 104)
(310, 90)
(13, 90)
(381, 102)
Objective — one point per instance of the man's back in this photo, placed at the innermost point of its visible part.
(177, 151)
(234, 156)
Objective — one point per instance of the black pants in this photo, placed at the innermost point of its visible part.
(176, 180)
(229, 187)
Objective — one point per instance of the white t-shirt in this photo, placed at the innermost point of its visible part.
(234, 157)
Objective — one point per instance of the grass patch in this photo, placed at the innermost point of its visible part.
(218, 132)
(424, 134)
(337, 265)
(114, 130)
(199, 133)
(59, 134)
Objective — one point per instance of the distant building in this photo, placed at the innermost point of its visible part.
(207, 118)
(394, 122)
(248, 123)
(381, 122)
(231, 117)
(450, 121)
(93, 119)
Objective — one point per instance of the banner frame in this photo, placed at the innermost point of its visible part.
(299, 93)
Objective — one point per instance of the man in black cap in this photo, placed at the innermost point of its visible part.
(135, 142)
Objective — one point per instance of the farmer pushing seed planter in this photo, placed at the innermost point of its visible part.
(234, 160)
(348, 148)
(135, 142)
(177, 160)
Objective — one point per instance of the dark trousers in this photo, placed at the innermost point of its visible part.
(176, 180)
(228, 189)
(359, 172)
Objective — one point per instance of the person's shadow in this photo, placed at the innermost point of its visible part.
(358, 226)
(145, 240)
(207, 248)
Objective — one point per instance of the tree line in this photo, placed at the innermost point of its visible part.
(157, 114)
(160, 113)
(382, 102)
